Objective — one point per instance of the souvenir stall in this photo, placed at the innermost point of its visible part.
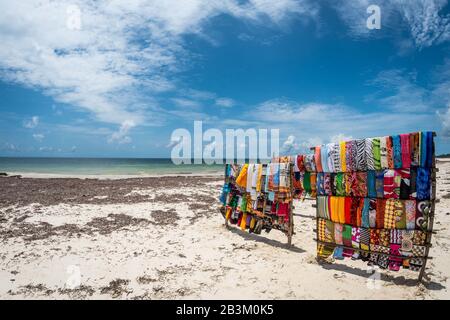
(376, 200)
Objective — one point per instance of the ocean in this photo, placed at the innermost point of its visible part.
(101, 166)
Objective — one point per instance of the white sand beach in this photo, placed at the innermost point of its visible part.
(160, 238)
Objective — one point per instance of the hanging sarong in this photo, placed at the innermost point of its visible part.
(397, 147)
(361, 163)
(342, 156)
(406, 153)
(383, 153)
(390, 152)
(368, 144)
(317, 159)
(376, 153)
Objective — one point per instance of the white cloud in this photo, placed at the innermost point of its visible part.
(38, 137)
(120, 50)
(31, 123)
(340, 137)
(400, 91)
(186, 103)
(225, 102)
(424, 21)
(46, 149)
(121, 136)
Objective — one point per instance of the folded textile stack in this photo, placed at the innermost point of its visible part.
(375, 198)
(259, 196)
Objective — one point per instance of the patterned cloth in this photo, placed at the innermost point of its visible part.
(373, 213)
(339, 184)
(317, 159)
(391, 184)
(320, 184)
(327, 184)
(360, 184)
(365, 220)
(376, 146)
(422, 214)
(350, 156)
(322, 207)
(324, 158)
(361, 163)
(405, 147)
(423, 189)
(414, 148)
(389, 152)
(405, 183)
(369, 154)
(410, 214)
(330, 156)
(379, 183)
(335, 156)
(397, 154)
(371, 184)
(309, 162)
(383, 153)
(342, 153)
(381, 205)
(389, 216)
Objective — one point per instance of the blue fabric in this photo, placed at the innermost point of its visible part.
(365, 214)
(320, 184)
(324, 158)
(423, 184)
(338, 253)
(371, 186)
(397, 152)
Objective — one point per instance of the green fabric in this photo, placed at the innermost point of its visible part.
(340, 186)
(376, 153)
(307, 182)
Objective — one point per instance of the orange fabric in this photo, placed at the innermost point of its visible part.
(318, 160)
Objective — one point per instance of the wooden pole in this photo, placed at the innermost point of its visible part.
(291, 216)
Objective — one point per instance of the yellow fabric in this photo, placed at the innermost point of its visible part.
(243, 220)
(342, 156)
(252, 223)
(334, 209)
(341, 209)
(258, 181)
(228, 214)
(241, 180)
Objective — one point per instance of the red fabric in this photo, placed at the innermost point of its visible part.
(318, 160)
(406, 154)
(348, 206)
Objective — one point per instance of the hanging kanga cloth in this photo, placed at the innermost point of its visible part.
(347, 240)
(361, 163)
(379, 183)
(342, 156)
(336, 152)
(410, 213)
(356, 237)
(381, 205)
(324, 158)
(339, 184)
(317, 158)
(426, 149)
(350, 156)
(390, 214)
(241, 180)
(313, 180)
(423, 188)
(397, 147)
(284, 178)
(327, 184)
(307, 182)
(371, 184)
(353, 184)
(320, 184)
(412, 181)
(364, 238)
(390, 152)
(323, 207)
(250, 174)
(365, 213)
(348, 183)
(333, 203)
(333, 184)
(325, 234)
(360, 189)
(348, 210)
(341, 209)
(368, 144)
(383, 153)
(330, 157)
(308, 160)
(414, 148)
(376, 153)
(354, 211)
(359, 212)
(406, 154)
(405, 184)
(394, 261)
(400, 214)
(338, 233)
(373, 213)
(392, 181)
(422, 214)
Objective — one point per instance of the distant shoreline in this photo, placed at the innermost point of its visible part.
(37, 175)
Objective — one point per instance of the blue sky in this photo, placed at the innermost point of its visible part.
(119, 82)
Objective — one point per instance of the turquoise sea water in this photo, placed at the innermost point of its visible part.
(102, 166)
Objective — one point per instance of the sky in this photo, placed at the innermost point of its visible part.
(116, 78)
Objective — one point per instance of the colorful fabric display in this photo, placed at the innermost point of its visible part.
(405, 149)
(389, 152)
(331, 156)
(368, 145)
(336, 155)
(414, 148)
(339, 184)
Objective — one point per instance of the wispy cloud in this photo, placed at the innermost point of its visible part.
(38, 137)
(31, 123)
(225, 102)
